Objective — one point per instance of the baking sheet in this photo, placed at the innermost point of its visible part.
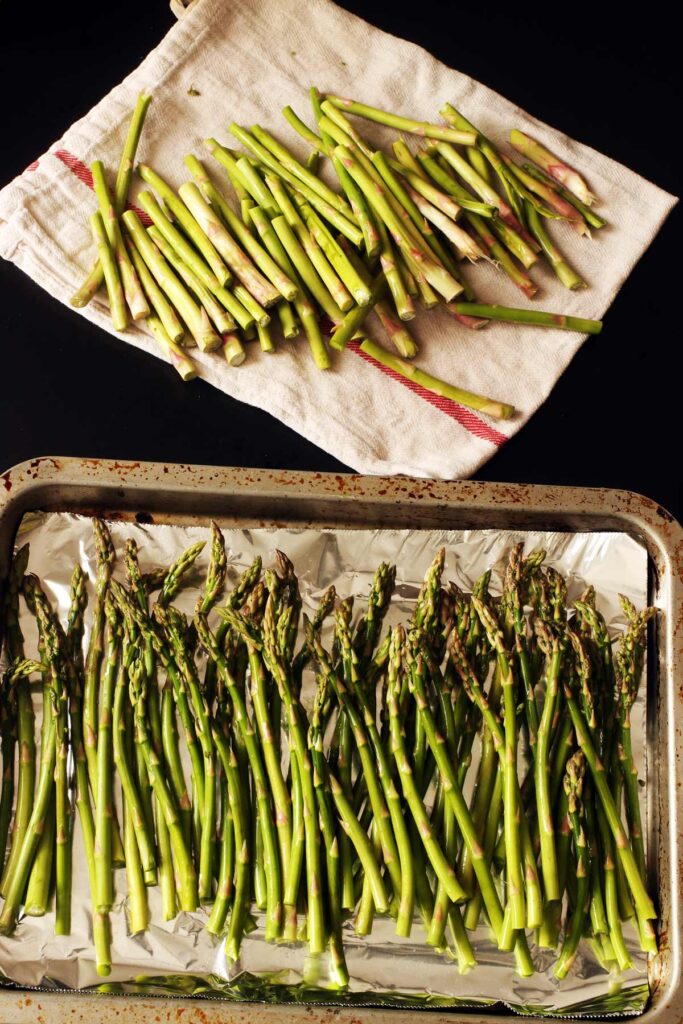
(179, 956)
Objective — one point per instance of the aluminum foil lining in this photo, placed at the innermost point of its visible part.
(180, 957)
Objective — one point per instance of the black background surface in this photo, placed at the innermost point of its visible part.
(68, 388)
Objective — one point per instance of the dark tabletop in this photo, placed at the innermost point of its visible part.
(610, 80)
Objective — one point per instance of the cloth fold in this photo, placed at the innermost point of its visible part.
(243, 60)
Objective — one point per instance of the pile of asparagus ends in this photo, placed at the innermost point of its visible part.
(394, 236)
(325, 812)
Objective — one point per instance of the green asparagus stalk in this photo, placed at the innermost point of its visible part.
(63, 812)
(241, 900)
(178, 241)
(39, 884)
(573, 786)
(101, 924)
(16, 882)
(478, 184)
(440, 864)
(434, 272)
(15, 701)
(194, 316)
(340, 972)
(95, 278)
(394, 276)
(39, 887)
(117, 302)
(330, 212)
(8, 740)
(629, 667)
(454, 796)
(488, 151)
(511, 801)
(356, 198)
(240, 264)
(534, 317)
(306, 270)
(246, 239)
(165, 313)
(552, 646)
(272, 863)
(544, 199)
(592, 219)
(451, 187)
(221, 318)
(501, 256)
(104, 559)
(421, 212)
(132, 289)
(177, 356)
(404, 124)
(281, 675)
(135, 823)
(341, 297)
(104, 869)
(285, 158)
(489, 406)
(420, 183)
(642, 901)
(569, 278)
(379, 790)
(552, 165)
(335, 254)
(398, 333)
(200, 710)
(187, 222)
(302, 303)
(138, 909)
(185, 870)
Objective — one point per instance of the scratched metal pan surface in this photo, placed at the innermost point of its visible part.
(149, 492)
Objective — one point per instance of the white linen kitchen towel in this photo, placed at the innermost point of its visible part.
(243, 60)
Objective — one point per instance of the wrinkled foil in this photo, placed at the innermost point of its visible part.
(179, 957)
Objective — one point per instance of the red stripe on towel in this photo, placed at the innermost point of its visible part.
(465, 417)
(83, 173)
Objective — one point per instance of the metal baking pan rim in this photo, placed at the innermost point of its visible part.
(264, 497)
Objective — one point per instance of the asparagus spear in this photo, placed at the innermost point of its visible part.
(340, 971)
(15, 701)
(404, 124)
(123, 178)
(573, 787)
(258, 254)
(187, 222)
(242, 267)
(135, 297)
(330, 212)
(194, 315)
(104, 869)
(186, 874)
(498, 410)
(586, 828)
(377, 789)
(16, 883)
(552, 165)
(272, 863)
(117, 303)
(642, 901)
(166, 315)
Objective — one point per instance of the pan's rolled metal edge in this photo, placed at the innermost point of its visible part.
(64, 1008)
(174, 493)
